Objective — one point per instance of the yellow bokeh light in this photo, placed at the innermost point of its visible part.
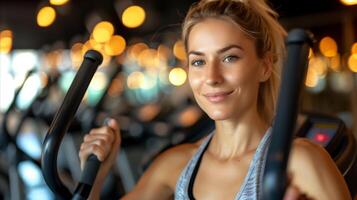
(311, 53)
(103, 31)
(6, 33)
(349, 2)
(86, 46)
(46, 16)
(328, 47)
(147, 58)
(354, 48)
(319, 65)
(95, 45)
(133, 16)
(311, 78)
(335, 63)
(177, 76)
(76, 55)
(179, 50)
(5, 41)
(163, 53)
(58, 2)
(136, 80)
(115, 46)
(136, 49)
(352, 62)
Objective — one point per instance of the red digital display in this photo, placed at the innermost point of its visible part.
(321, 137)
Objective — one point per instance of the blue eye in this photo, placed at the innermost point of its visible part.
(197, 62)
(230, 59)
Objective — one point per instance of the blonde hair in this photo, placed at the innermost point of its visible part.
(258, 21)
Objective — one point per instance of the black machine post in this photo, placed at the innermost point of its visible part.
(62, 120)
(294, 71)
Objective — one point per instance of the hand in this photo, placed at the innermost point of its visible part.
(293, 193)
(104, 142)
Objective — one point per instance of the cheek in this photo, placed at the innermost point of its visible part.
(194, 80)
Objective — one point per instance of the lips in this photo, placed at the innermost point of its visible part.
(216, 97)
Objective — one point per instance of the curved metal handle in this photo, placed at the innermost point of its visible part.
(275, 178)
(62, 120)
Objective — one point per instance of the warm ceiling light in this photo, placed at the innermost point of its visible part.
(179, 50)
(115, 46)
(352, 62)
(5, 41)
(136, 80)
(354, 48)
(328, 47)
(349, 2)
(177, 76)
(58, 2)
(103, 31)
(133, 16)
(46, 16)
(136, 49)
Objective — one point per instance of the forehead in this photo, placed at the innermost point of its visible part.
(217, 33)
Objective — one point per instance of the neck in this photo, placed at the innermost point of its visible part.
(236, 138)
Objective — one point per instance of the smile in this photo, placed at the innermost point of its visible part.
(217, 97)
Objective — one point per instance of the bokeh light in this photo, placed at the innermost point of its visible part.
(115, 46)
(354, 48)
(135, 80)
(58, 2)
(349, 2)
(328, 47)
(133, 16)
(179, 50)
(6, 40)
(352, 63)
(177, 76)
(103, 31)
(46, 16)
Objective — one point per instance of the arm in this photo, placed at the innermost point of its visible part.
(158, 182)
(315, 173)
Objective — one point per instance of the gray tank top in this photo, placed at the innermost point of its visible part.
(250, 188)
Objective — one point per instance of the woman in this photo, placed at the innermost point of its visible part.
(235, 51)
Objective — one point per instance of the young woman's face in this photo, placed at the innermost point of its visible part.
(224, 69)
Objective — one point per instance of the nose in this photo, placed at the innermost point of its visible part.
(213, 74)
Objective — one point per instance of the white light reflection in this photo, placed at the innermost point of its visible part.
(28, 93)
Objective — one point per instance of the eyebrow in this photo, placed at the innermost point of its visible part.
(224, 49)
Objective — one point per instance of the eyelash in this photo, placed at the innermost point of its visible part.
(230, 57)
(193, 63)
(235, 58)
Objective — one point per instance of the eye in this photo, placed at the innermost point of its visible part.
(230, 59)
(197, 63)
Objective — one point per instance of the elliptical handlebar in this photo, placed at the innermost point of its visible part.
(294, 71)
(62, 120)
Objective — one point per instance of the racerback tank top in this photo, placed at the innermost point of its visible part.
(250, 187)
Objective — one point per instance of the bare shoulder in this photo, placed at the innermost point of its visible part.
(178, 156)
(159, 180)
(314, 171)
(172, 161)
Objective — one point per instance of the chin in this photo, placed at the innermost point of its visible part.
(218, 115)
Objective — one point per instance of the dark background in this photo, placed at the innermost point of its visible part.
(72, 22)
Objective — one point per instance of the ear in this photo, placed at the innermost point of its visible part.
(267, 67)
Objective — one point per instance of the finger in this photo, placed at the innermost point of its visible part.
(89, 148)
(102, 130)
(292, 193)
(101, 143)
(107, 138)
(117, 138)
(113, 124)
